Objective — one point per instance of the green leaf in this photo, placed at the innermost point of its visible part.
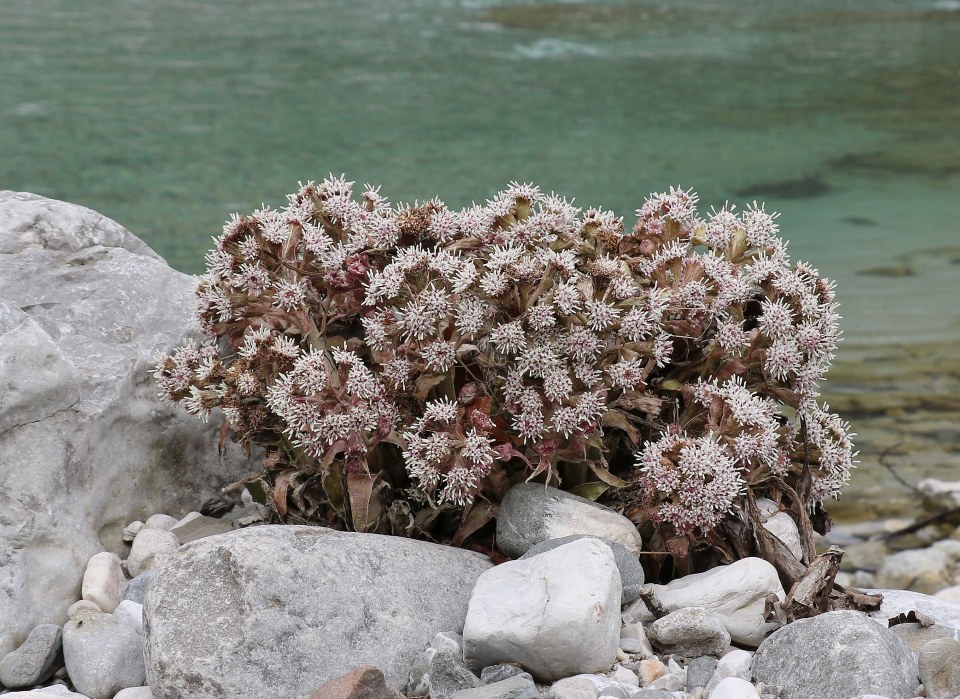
(670, 385)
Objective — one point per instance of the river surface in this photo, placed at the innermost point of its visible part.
(841, 114)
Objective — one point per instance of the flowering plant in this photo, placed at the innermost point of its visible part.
(402, 366)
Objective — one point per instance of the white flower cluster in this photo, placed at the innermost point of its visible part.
(519, 328)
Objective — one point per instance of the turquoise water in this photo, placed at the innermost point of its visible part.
(844, 115)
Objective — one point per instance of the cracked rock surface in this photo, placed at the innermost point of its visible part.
(85, 447)
(279, 610)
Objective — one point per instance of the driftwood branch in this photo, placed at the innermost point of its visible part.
(655, 606)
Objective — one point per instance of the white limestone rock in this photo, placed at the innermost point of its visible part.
(736, 663)
(54, 691)
(161, 521)
(130, 614)
(557, 614)
(84, 443)
(130, 531)
(103, 581)
(637, 638)
(781, 525)
(149, 549)
(134, 693)
(81, 605)
(532, 513)
(896, 602)
(573, 688)
(734, 688)
(736, 593)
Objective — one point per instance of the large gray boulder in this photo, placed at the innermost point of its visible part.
(279, 610)
(835, 656)
(85, 446)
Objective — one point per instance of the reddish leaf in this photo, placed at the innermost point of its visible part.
(426, 383)
(474, 518)
(604, 475)
(224, 431)
(360, 487)
(278, 494)
(678, 545)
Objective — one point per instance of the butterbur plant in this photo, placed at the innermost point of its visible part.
(402, 365)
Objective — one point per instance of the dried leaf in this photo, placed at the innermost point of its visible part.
(474, 518)
(619, 420)
(604, 475)
(426, 383)
(671, 385)
(590, 491)
(278, 494)
(364, 508)
(221, 442)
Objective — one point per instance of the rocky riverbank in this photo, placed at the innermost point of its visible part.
(224, 607)
(103, 597)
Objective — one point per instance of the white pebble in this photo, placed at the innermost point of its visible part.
(130, 613)
(639, 643)
(161, 521)
(131, 530)
(54, 691)
(734, 663)
(189, 517)
(103, 581)
(624, 675)
(134, 693)
(81, 605)
(148, 550)
(734, 688)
